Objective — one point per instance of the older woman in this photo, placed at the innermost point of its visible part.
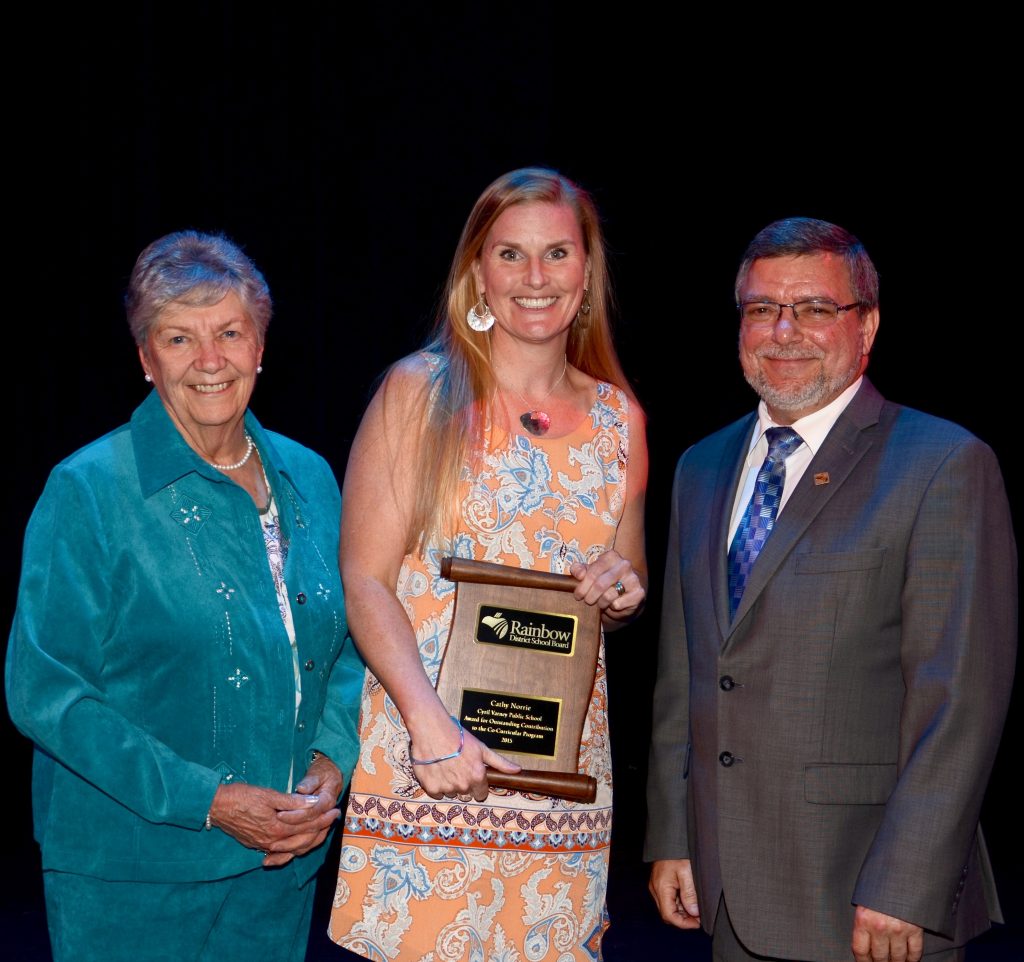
(512, 438)
(180, 653)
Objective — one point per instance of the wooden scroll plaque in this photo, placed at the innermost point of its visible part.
(518, 672)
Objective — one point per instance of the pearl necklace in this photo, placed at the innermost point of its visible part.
(535, 420)
(237, 464)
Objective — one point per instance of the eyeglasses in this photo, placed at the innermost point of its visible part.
(817, 312)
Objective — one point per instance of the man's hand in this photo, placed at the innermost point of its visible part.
(674, 893)
(881, 938)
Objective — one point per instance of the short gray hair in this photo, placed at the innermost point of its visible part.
(805, 236)
(196, 269)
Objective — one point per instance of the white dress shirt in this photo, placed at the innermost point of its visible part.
(813, 429)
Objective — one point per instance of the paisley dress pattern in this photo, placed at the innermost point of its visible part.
(516, 878)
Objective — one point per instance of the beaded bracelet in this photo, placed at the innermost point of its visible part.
(444, 758)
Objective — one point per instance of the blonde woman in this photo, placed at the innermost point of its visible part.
(511, 438)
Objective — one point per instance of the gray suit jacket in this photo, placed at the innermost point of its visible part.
(830, 746)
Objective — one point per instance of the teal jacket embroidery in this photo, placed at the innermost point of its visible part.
(148, 660)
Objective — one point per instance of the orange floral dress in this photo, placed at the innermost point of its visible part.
(516, 878)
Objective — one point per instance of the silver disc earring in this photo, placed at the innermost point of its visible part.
(480, 320)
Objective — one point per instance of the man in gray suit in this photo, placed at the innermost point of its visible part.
(837, 643)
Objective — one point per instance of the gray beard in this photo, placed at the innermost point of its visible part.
(813, 394)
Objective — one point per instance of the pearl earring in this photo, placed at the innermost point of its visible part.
(149, 379)
(259, 368)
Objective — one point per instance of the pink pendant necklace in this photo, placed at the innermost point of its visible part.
(535, 420)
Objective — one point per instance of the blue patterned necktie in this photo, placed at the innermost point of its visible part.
(759, 518)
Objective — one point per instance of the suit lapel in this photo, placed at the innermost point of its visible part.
(840, 453)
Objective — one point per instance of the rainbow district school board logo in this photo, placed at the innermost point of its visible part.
(536, 630)
(497, 623)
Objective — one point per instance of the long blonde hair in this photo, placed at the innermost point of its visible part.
(459, 390)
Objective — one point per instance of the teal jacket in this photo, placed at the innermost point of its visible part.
(148, 660)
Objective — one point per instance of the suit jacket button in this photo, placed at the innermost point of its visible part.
(301, 597)
(301, 726)
(726, 683)
(726, 759)
(310, 665)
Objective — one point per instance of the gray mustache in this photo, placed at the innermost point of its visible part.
(782, 354)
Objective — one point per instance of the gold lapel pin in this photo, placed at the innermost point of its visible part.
(821, 477)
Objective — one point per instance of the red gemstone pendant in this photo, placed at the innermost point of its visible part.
(536, 422)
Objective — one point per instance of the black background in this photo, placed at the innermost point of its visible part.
(343, 149)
